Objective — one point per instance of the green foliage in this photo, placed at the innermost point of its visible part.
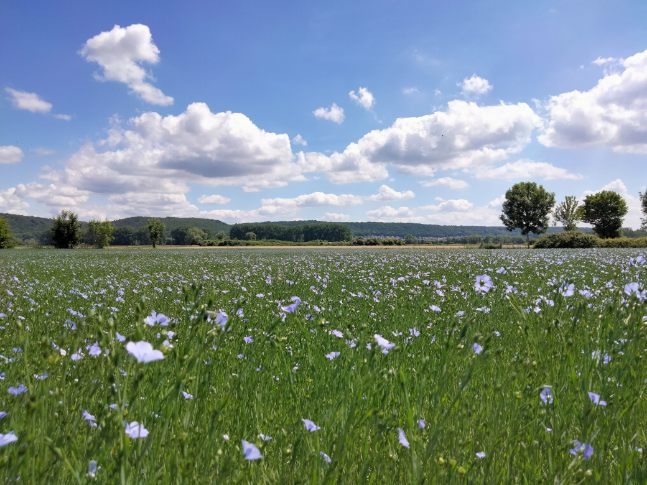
(6, 239)
(155, 231)
(624, 242)
(567, 213)
(99, 233)
(567, 239)
(250, 236)
(643, 205)
(296, 232)
(604, 211)
(526, 207)
(66, 230)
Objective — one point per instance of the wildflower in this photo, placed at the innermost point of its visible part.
(546, 395)
(248, 339)
(595, 399)
(402, 438)
(567, 290)
(143, 352)
(17, 390)
(250, 451)
(325, 457)
(501, 270)
(310, 425)
(8, 438)
(221, 318)
(421, 423)
(120, 338)
(598, 356)
(156, 319)
(477, 348)
(265, 437)
(92, 469)
(480, 455)
(76, 356)
(414, 332)
(91, 420)
(584, 449)
(383, 343)
(336, 333)
(292, 307)
(332, 355)
(136, 430)
(94, 350)
(483, 283)
(434, 308)
(186, 395)
(3, 414)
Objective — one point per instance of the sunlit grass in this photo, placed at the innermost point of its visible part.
(266, 370)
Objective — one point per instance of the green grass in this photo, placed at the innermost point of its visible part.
(532, 338)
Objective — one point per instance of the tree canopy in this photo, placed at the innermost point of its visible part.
(6, 239)
(155, 231)
(604, 211)
(526, 207)
(66, 230)
(568, 213)
(100, 233)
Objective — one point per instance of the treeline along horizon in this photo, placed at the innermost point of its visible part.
(311, 231)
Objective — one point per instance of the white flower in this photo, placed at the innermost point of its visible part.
(143, 352)
(136, 430)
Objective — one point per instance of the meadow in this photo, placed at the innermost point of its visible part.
(324, 365)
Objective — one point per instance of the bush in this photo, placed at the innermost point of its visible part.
(567, 239)
(624, 242)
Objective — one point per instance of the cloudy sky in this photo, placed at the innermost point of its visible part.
(417, 111)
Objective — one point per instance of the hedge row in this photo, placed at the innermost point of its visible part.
(573, 239)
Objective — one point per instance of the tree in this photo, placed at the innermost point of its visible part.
(526, 207)
(155, 231)
(66, 231)
(568, 213)
(100, 233)
(6, 239)
(604, 211)
(643, 203)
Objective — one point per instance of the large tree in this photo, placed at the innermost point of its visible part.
(6, 239)
(526, 207)
(66, 230)
(568, 213)
(155, 231)
(100, 233)
(604, 211)
(643, 203)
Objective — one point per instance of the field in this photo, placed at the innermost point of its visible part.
(323, 365)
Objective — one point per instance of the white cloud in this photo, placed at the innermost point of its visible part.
(462, 137)
(526, 169)
(120, 53)
(475, 86)
(314, 199)
(612, 113)
(63, 117)
(449, 182)
(28, 101)
(388, 212)
(12, 201)
(387, 193)
(334, 113)
(336, 217)
(410, 90)
(10, 154)
(362, 97)
(299, 140)
(43, 152)
(214, 199)
(452, 205)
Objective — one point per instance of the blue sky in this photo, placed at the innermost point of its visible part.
(411, 111)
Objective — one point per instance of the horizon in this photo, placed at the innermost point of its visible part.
(370, 112)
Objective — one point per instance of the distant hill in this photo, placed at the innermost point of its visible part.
(35, 229)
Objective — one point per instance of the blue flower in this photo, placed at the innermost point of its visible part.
(250, 451)
(584, 449)
(402, 438)
(546, 395)
(310, 425)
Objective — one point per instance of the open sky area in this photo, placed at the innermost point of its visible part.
(413, 111)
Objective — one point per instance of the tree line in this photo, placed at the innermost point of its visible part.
(302, 232)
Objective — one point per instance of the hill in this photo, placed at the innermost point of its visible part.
(211, 226)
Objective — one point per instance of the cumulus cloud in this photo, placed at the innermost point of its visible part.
(28, 101)
(464, 136)
(214, 199)
(10, 154)
(315, 199)
(410, 90)
(120, 53)
(12, 201)
(336, 217)
(334, 113)
(363, 97)
(612, 113)
(390, 213)
(387, 193)
(475, 86)
(449, 182)
(299, 140)
(525, 169)
(452, 205)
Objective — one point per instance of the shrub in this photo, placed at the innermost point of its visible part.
(568, 239)
(624, 242)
